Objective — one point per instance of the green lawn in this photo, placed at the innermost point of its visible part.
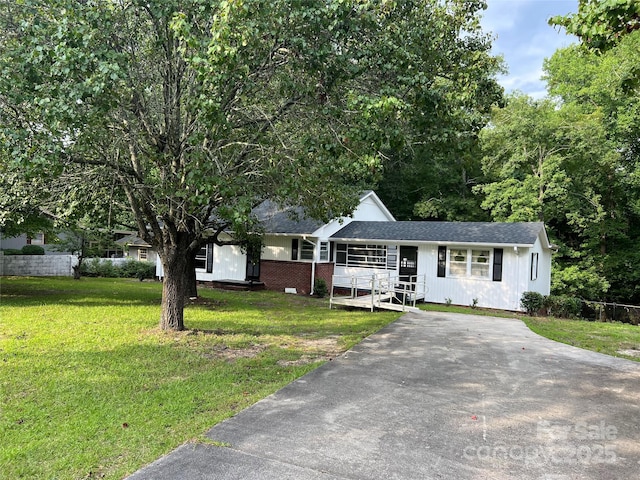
(610, 338)
(90, 388)
(616, 339)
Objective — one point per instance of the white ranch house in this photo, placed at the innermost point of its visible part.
(482, 263)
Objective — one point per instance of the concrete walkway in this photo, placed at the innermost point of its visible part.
(435, 395)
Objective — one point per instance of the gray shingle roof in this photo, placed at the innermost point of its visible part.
(521, 233)
(132, 240)
(276, 219)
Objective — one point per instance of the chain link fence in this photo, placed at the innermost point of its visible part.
(611, 312)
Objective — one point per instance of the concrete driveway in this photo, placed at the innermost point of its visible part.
(435, 396)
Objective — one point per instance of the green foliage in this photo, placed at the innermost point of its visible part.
(320, 288)
(12, 251)
(532, 302)
(583, 279)
(32, 250)
(190, 113)
(601, 24)
(86, 356)
(563, 306)
(608, 338)
(137, 269)
(104, 267)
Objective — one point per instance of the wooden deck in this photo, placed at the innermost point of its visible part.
(383, 292)
(368, 301)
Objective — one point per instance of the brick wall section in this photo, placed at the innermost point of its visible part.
(278, 275)
(325, 271)
(38, 265)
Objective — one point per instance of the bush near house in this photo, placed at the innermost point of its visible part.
(532, 302)
(12, 251)
(100, 267)
(32, 250)
(561, 306)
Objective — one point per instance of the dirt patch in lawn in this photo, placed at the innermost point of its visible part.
(632, 352)
(319, 349)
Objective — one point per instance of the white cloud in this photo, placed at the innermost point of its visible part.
(525, 38)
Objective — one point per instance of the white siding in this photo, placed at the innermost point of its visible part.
(229, 263)
(368, 210)
(504, 295)
(543, 283)
(501, 295)
(277, 247)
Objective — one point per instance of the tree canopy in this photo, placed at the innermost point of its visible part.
(196, 111)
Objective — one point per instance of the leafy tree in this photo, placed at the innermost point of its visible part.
(601, 23)
(430, 172)
(552, 164)
(199, 110)
(606, 84)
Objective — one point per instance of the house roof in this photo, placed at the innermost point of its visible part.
(291, 220)
(520, 233)
(277, 219)
(132, 240)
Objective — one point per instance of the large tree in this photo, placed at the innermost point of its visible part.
(201, 109)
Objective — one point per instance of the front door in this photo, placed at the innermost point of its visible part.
(408, 263)
(253, 267)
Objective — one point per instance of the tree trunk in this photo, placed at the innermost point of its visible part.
(174, 292)
(191, 287)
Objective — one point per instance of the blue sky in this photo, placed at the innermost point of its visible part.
(525, 39)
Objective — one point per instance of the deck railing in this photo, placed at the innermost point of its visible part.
(378, 290)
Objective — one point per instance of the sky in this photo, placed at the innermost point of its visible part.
(524, 38)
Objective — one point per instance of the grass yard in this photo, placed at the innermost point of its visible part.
(91, 388)
(616, 339)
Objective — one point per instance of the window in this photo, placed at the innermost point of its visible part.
(457, 263)
(142, 254)
(367, 256)
(534, 266)
(294, 248)
(480, 263)
(392, 257)
(324, 251)
(306, 252)
(201, 258)
(467, 262)
(37, 239)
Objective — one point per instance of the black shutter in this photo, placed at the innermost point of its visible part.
(294, 249)
(210, 258)
(497, 264)
(442, 261)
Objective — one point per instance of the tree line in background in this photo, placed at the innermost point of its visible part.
(176, 118)
(571, 160)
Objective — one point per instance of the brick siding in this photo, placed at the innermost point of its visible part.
(278, 275)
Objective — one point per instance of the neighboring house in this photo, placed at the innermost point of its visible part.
(16, 243)
(51, 243)
(487, 264)
(137, 249)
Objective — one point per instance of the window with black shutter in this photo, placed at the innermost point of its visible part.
(442, 261)
(294, 249)
(497, 264)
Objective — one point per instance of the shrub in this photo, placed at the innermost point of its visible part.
(532, 302)
(320, 288)
(32, 250)
(563, 306)
(145, 271)
(12, 251)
